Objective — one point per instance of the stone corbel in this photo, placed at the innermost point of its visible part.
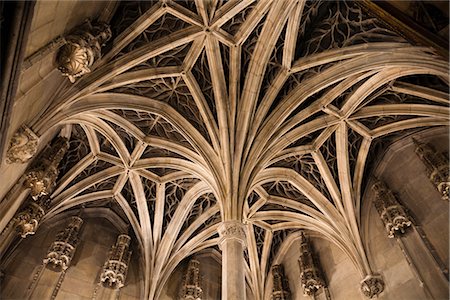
(23, 146)
(372, 286)
(27, 221)
(82, 49)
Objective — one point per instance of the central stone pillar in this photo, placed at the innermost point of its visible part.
(232, 243)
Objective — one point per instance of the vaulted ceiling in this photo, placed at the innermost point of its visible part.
(269, 112)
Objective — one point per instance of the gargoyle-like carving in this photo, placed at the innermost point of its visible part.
(42, 179)
(115, 268)
(82, 49)
(63, 248)
(372, 286)
(394, 216)
(23, 146)
(191, 288)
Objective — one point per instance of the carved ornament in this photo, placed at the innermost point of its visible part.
(394, 216)
(115, 268)
(82, 49)
(232, 230)
(23, 146)
(372, 286)
(61, 251)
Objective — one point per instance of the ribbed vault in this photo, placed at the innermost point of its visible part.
(266, 112)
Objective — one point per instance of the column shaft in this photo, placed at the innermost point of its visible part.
(232, 243)
(233, 277)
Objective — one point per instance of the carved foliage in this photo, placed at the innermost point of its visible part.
(232, 230)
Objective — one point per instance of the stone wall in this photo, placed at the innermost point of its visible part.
(82, 277)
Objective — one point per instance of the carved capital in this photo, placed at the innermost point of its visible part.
(232, 230)
(372, 286)
(23, 146)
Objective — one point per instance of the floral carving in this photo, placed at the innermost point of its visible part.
(23, 146)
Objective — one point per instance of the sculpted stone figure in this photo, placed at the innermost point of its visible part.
(23, 146)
